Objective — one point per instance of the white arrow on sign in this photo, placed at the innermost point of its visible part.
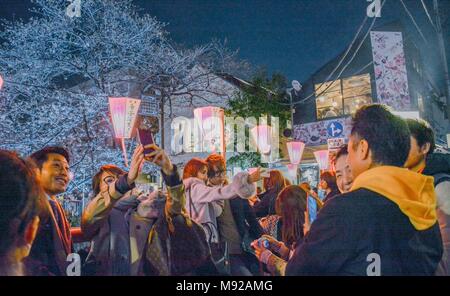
(334, 130)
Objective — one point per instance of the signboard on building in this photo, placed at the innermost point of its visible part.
(335, 144)
(390, 70)
(335, 129)
(317, 133)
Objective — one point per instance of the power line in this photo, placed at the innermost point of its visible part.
(414, 21)
(343, 69)
(428, 15)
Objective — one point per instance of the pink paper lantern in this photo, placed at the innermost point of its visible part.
(211, 123)
(262, 136)
(322, 158)
(123, 115)
(1, 82)
(295, 150)
(292, 171)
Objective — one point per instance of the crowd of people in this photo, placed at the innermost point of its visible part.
(388, 196)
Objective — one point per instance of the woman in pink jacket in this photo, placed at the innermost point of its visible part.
(203, 203)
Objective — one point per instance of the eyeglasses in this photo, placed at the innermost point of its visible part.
(217, 174)
(109, 179)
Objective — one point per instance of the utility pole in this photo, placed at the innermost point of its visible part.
(443, 53)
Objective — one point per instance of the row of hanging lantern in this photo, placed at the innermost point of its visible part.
(295, 150)
(210, 119)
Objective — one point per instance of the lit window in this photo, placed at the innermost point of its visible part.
(342, 97)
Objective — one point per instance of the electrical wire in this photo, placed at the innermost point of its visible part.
(312, 95)
(428, 15)
(414, 21)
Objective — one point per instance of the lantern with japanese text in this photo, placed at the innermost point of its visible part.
(295, 150)
(322, 159)
(124, 112)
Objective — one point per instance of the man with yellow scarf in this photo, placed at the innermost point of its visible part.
(386, 224)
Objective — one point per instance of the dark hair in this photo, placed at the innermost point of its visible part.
(193, 166)
(109, 168)
(275, 182)
(215, 161)
(330, 178)
(386, 134)
(20, 195)
(291, 206)
(422, 132)
(41, 156)
(341, 152)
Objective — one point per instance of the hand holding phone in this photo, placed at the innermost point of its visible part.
(145, 138)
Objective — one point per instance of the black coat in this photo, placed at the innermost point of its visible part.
(245, 218)
(266, 205)
(437, 163)
(348, 229)
(331, 195)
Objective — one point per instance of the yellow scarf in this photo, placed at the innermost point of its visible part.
(411, 191)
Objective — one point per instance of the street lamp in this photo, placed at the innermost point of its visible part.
(123, 116)
(295, 90)
(322, 159)
(211, 123)
(295, 150)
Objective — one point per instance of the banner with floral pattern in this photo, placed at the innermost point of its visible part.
(317, 133)
(390, 70)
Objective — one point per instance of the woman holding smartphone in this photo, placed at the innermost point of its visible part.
(127, 229)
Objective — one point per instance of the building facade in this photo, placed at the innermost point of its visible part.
(387, 69)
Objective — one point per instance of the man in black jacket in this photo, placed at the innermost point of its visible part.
(386, 224)
(423, 159)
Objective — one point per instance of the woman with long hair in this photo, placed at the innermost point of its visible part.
(328, 186)
(288, 227)
(272, 186)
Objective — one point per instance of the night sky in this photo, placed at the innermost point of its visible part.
(294, 37)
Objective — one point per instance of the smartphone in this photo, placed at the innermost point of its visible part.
(145, 137)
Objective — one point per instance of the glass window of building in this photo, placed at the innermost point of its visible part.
(342, 97)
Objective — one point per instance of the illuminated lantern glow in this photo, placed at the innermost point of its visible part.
(210, 120)
(123, 115)
(124, 112)
(322, 159)
(295, 150)
(262, 134)
(292, 170)
(1, 82)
